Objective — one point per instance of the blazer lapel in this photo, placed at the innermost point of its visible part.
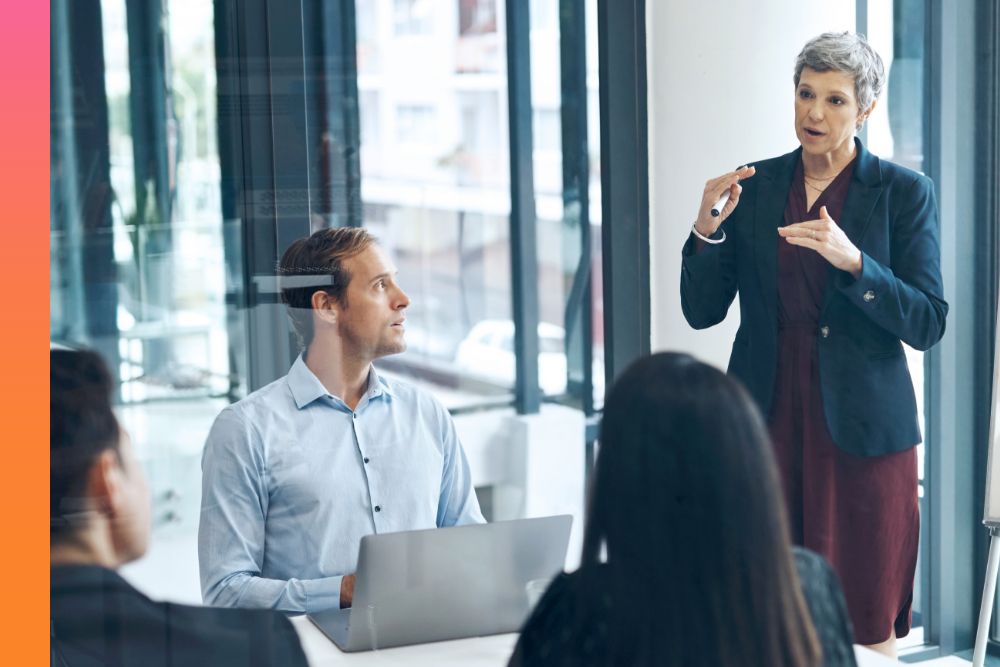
(862, 195)
(772, 196)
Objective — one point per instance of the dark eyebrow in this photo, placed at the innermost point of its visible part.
(380, 276)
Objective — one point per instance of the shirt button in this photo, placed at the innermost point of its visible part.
(378, 508)
(868, 296)
(366, 459)
(824, 331)
(354, 415)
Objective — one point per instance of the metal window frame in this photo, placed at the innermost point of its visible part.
(150, 111)
(988, 249)
(624, 182)
(577, 322)
(64, 195)
(150, 108)
(336, 56)
(271, 119)
(523, 228)
(953, 538)
(80, 136)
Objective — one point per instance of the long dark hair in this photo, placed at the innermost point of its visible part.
(687, 504)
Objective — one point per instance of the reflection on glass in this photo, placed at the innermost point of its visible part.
(436, 194)
(144, 268)
(145, 238)
(435, 187)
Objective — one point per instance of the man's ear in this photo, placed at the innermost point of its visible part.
(325, 307)
(104, 483)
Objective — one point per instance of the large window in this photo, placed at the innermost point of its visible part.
(138, 242)
(439, 195)
(193, 141)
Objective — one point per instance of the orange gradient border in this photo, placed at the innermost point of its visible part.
(24, 275)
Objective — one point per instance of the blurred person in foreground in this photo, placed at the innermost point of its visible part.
(686, 557)
(100, 519)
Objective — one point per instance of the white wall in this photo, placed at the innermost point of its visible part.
(720, 95)
(534, 464)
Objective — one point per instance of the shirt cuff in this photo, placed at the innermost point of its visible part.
(322, 594)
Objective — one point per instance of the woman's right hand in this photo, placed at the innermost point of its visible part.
(706, 224)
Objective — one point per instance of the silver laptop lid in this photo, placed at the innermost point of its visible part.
(448, 583)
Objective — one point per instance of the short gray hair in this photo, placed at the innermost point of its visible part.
(847, 52)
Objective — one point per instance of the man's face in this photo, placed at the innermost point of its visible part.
(131, 520)
(370, 321)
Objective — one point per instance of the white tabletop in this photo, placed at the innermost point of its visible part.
(493, 651)
(474, 652)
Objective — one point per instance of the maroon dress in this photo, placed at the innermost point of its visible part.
(858, 512)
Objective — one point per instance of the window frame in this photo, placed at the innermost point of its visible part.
(961, 150)
(249, 29)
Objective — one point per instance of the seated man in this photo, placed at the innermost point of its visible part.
(295, 474)
(99, 510)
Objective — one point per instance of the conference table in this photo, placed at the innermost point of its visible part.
(492, 651)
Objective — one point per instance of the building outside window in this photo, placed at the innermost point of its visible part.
(413, 17)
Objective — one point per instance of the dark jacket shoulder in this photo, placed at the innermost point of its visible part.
(548, 637)
(891, 171)
(97, 618)
(777, 164)
(552, 635)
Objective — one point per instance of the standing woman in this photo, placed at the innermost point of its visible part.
(836, 259)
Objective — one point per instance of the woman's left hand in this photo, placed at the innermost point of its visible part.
(826, 238)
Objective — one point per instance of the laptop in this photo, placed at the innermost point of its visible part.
(447, 583)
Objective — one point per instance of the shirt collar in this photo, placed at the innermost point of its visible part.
(377, 385)
(306, 387)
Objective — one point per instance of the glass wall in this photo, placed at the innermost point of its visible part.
(435, 183)
(164, 233)
(435, 186)
(136, 243)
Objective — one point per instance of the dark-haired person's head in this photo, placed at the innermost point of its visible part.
(686, 501)
(98, 501)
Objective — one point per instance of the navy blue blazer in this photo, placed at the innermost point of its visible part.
(890, 214)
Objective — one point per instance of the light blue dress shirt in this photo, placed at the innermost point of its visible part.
(292, 479)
